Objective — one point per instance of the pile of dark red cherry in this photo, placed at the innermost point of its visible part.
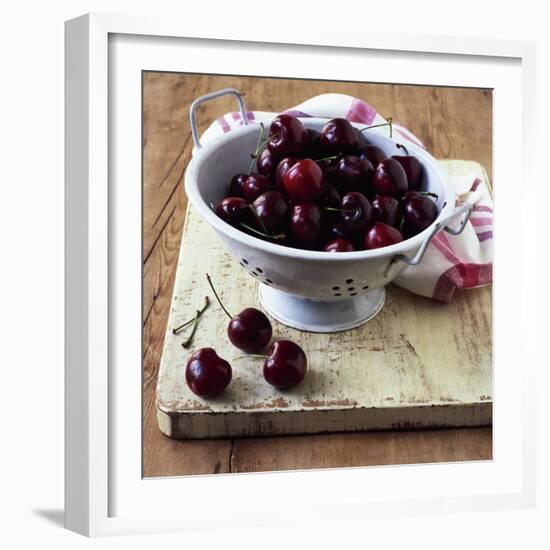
(331, 190)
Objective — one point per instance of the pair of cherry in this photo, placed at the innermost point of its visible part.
(285, 364)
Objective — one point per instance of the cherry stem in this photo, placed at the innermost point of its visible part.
(331, 209)
(187, 342)
(400, 146)
(328, 158)
(217, 297)
(278, 237)
(260, 136)
(177, 330)
(388, 123)
(252, 355)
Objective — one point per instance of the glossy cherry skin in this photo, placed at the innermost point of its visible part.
(372, 153)
(354, 174)
(236, 185)
(331, 196)
(386, 209)
(390, 179)
(282, 168)
(250, 330)
(207, 374)
(305, 224)
(380, 235)
(338, 136)
(313, 149)
(356, 211)
(304, 181)
(256, 185)
(287, 136)
(234, 211)
(336, 230)
(266, 163)
(339, 245)
(419, 212)
(286, 365)
(413, 169)
(272, 211)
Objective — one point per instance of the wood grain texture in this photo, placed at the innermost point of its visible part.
(452, 122)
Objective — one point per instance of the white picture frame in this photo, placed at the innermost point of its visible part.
(105, 493)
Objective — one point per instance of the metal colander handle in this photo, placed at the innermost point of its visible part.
(208, 97)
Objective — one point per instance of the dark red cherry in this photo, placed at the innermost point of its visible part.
(336, 230)
(413, 169)
(389, 178)
(331, 197)
(207, 374)
(339, 245)
(236, 185)
(281, 170)
(419, 212)
(380, 235)
(304, 181)
(387, 210)
(362, 141)
(372, 153)
(272, 211)
(286, 365)
(356, 211)
(256, 185)
(250, 330)
(234, 211)
(287, 136)
(354, 174)
(338, 136)
(305, 224)
(313, 149)
(266, 163)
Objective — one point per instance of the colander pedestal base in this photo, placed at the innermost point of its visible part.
(321, 316)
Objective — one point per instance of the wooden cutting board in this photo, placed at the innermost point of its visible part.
(418, 364)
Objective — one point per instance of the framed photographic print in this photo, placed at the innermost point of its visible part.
(284, 259)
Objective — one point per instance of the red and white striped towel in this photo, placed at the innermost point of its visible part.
(450, 262)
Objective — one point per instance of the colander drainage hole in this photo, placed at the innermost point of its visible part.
(337, 294)
(253, 273)
(353, 294)
(351, 289)
(259, 270)
(349, 281)
(268, 282)
(335, 288)
(245, 262)
(365, 287)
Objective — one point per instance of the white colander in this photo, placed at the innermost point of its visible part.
(310, 290)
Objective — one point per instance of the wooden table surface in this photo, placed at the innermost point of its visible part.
(452, 122)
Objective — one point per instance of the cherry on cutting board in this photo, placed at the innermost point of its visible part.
(207, 374)
(234, 211)
(412, 167)
(339, 245)
(380, 235)
(285, 365)
(387, 210)
(389, 178)
(256, 185)
(303, 181)
(338, 136)
(250, 330)
(305, 224)
(287, 136)
(272, 211)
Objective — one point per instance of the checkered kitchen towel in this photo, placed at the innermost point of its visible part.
(450, 262)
